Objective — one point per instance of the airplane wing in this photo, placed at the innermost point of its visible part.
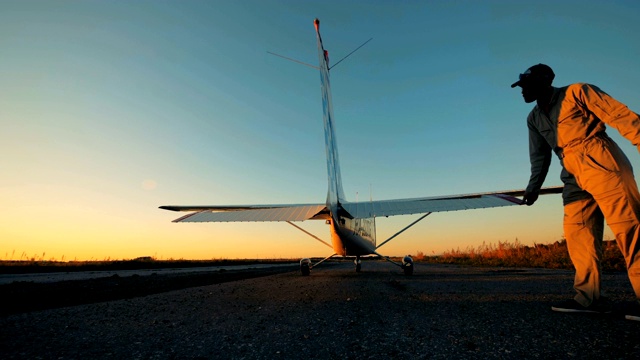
(439, 203)
(251, 213)
(301, 212)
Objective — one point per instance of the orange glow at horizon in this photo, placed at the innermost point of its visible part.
(46, 223)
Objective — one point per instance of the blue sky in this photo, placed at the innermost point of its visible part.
(111, 109)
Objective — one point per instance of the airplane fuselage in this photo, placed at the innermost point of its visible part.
(353, 237)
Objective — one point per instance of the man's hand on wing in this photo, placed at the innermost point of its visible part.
(529, 198)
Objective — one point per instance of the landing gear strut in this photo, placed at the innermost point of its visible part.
(306, 265)
(358, 263)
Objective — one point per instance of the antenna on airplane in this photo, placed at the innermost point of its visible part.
(294, 60)
(339, 61)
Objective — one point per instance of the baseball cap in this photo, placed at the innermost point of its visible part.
(537, 72)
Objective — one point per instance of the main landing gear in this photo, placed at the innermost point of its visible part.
(305, 266)
(407, 265)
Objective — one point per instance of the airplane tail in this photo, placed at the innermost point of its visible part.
(335, 194)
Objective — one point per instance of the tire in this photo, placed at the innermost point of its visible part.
(304, 269)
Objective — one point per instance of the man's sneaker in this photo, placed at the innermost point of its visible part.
(633, 312)
(572, 306)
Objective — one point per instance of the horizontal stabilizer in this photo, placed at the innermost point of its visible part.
(266, 213)
(438, 204)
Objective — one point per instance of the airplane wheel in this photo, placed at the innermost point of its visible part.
(408, 269)
(358, 267)
(407, 265)
(305, 270)
(305, 267)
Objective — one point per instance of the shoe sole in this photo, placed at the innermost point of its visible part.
(564, 310)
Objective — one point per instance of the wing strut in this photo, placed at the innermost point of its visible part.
(401, 231)
(310, 234)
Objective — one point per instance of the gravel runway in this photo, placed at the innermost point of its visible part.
(441, 312)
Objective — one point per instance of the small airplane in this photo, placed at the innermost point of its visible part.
(351, 224)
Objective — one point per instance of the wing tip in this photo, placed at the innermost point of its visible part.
(169, 207)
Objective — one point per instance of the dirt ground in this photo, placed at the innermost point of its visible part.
(442, 311)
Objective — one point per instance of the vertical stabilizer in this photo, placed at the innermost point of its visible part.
(335, 194)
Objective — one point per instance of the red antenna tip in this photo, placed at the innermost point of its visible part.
(316, 23)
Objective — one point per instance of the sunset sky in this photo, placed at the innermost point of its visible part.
(109, 109)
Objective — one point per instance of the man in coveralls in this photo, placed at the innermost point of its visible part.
(597, 176)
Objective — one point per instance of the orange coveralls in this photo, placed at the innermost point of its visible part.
(597, 175)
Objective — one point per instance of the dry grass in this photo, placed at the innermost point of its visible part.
(506, 254)
(514, 254)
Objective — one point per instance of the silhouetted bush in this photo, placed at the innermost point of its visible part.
(551, 256)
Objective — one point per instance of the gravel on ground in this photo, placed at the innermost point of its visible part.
(441, 312)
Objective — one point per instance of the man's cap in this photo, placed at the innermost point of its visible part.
(536, 72)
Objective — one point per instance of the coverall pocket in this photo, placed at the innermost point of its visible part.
(599, 157)
(596, 164)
